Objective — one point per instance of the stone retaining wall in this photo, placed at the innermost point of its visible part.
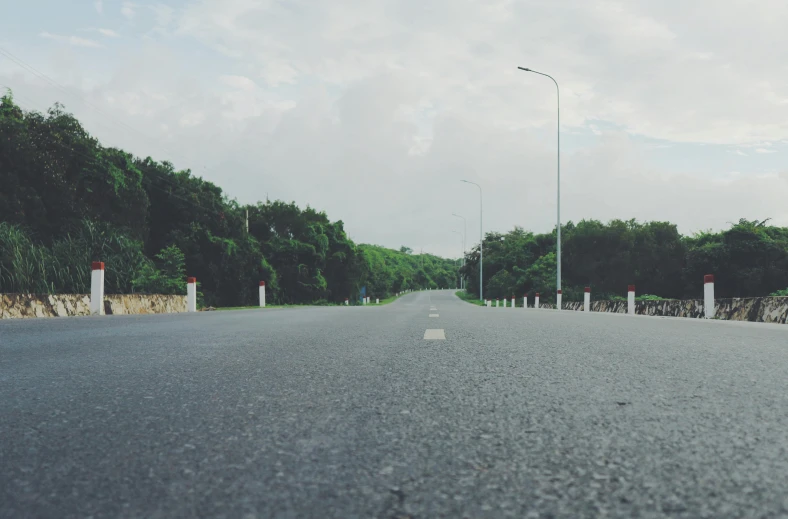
(69, 305)
(756, 309)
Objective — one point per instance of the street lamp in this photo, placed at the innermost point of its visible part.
(481, 240)
(464, 236)
(558, 226)
(462, 240)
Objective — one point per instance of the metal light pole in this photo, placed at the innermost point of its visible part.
(481, 241)
(462, 240)
(558, 131)
(464, 236)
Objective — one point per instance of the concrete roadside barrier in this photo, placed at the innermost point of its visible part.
(631, 299)
(191, 294)
(708, 296)
(97, 288)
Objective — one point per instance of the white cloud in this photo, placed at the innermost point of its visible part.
(163, 14)
(765, 150)
(192, 119)
(99, 5)
(128, 10)
(622, 61)
(108, 33)
(335, 103)
(240, 82)
(76, 41)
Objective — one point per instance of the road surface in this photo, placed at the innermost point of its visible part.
(350, 412)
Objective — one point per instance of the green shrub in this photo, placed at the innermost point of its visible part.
(168, 278)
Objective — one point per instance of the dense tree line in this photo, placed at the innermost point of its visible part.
(66, 201)
(749, 259)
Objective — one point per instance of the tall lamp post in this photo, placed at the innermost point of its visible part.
(464, 236)
(558, 225)
(462, 242)
(481, 241)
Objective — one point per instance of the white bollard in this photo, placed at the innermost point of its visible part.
(525, 302)
(631, 300)
(191, 294)
(504, 302)
(97, 288)
(262, 294)
(536, 301)
(347, 301)
(513, 305)
(587, 300)
(377, 301)
(558, 297)
(708, 296)
(497, 303)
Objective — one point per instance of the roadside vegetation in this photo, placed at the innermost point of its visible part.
(470, 298)
(66, 201)
(749, 259)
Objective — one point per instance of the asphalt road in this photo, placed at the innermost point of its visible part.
(349, 412)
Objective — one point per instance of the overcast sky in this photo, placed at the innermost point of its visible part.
(373, 110)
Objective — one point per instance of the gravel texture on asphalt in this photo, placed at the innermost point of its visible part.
(348, 412)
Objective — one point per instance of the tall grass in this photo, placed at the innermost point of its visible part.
(65, 266)
(24, 265)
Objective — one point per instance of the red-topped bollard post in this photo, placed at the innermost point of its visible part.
(191, 294)
(97, 288)
(536, 301)
(708, 296)
(262, 294)
(631, 300)
(513, 305)
(558, 298)
(587, 300)
(525, 301)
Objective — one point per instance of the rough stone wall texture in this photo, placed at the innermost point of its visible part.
(124, 304)
(69, 305)
(757, 309)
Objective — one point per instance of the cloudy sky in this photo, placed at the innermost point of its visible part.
(373, 110)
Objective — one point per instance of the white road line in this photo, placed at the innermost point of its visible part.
(434, 315)
(434, 335)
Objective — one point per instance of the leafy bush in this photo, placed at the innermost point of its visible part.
(168, 278)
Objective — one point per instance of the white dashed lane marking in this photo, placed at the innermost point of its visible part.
(433, 315)
(434, 335)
